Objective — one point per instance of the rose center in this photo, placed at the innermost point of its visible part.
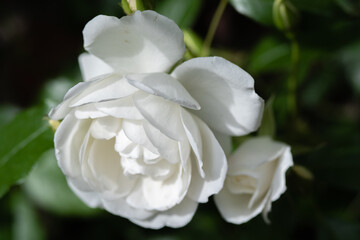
(137, 159)
(242, 184)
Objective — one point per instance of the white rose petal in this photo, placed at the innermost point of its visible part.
(256, 177)
(213, 163)
(225, 93)
(175, 217)
(134, 139)
(142, 43)
(162, 84)
(92, 66)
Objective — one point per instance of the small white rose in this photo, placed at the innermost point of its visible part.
(255, 178)
(136, 140)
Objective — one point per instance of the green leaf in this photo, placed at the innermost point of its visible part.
(259, 10)
(268, 126)
(270, 55)
(23, 140)
(47, 186)
(182, 12)
(26, 223)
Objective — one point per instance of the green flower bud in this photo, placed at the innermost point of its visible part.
(131, 6)
(125, 6)
(303, 172)
(136, 5)
(285, 15)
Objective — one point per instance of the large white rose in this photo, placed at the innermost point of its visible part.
(136, 140)
(255, 178)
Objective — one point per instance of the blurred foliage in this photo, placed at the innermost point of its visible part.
(183, 12)
(40, 41)
(193, 44)
(259, 10)
(54, 195)
(285, 15)
(350, 59)
(268, 125)
(7, 113)
(26, 221)
(23, 140)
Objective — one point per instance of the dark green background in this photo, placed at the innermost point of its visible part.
(40, 41)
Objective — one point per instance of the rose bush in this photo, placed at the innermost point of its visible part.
(255, 178)
(139, 141)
